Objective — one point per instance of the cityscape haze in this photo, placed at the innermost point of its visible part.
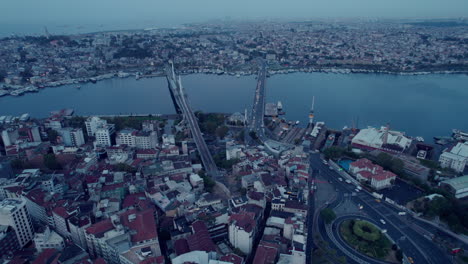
(233, 132)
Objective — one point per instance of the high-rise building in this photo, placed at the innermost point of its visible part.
(104, 135)
(93, 123)
(72, 136)
(13, 212)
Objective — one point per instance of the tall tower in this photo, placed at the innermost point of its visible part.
(311, 113)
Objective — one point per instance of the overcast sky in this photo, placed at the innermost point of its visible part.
(181, 11)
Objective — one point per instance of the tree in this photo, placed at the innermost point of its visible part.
(222, 131)
(333, 152)
(3, 75)
(51, 163)
(17, 164)
(328, 215)
(52, 135)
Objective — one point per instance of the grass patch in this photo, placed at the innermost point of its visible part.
(368, 240)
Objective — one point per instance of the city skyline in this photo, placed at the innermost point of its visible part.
(176, 12)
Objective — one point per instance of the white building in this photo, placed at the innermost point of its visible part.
(9, 137)
(382, 139)
(126, 137)
(455, 158)
(13, 212)
(242, 228)
(457, 186)
(136, 139)
(93, 123)
(72, 136)
(103, 135)
(48, 239)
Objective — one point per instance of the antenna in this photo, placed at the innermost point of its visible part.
(313, 103)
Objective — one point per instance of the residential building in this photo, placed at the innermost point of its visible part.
(13, 212)
(104, 134)
(242, 230)
(8, 241)
(93, 123)
(365, 170)
(47, 238)
(72, 137)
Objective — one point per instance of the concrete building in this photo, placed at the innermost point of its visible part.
(457, 186)
(48, 239)
(146, 140)
(8, 241)
(104, 134)
(9, 137)
(242, 230)
(381, 139)
(93, 123)
(13, 212)
(126, 137)
(455, 157)
(72, 137)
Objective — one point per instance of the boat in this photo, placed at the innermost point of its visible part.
(238, 75)
(330, 141)
(460, 135)
(93, 80)
(78, 87)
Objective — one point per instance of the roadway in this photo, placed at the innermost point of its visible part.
(258, 112)
(410, 240)
(182, 103)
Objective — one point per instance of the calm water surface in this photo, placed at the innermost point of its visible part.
(426, 105)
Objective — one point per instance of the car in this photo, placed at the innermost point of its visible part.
(384, 231)
(357, 190)
(378, 200)
(382, 221)
(402, 213)
(360, 206)
(348, 181)
(411, 260)
(340, 179)
(331, 168)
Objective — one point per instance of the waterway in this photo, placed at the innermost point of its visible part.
(424, 105)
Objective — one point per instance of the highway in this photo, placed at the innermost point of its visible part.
(181, 101)
(413, 243)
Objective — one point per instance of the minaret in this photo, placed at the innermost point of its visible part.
(311, 113)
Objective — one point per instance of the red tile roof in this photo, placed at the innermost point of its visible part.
(98, 229)
(181, 246)
(244, 220)
(201, 239)
(48, 256)
(233, 258)
(143, 224)
(265, 255)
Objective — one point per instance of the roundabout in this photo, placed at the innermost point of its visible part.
(353, 254)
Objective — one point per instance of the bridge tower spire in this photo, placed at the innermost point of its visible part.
(311, 113)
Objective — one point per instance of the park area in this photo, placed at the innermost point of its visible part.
(369, 240)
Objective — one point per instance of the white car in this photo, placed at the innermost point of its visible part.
(382, 221)
(340, 179)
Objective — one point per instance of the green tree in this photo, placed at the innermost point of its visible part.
(52, 135)
(50, 161)
(328, 215)
(333, 152)
(222, 131)
(17, 164)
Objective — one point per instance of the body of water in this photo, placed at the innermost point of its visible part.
(423, 105)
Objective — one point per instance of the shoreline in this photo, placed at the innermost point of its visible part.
(19, 90)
